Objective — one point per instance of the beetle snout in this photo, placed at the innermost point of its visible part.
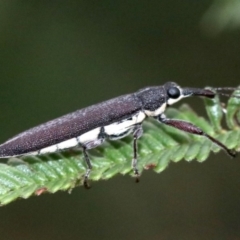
(198, 92)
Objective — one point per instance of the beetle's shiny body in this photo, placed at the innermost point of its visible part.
(113, 119)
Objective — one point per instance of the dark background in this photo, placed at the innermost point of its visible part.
(59, 56)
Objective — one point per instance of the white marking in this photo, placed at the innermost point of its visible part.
(171, 101)
(54, 148)
(21, 155)
(89, 136)
(140, 117)
(50, 149)
(31, 153)
(157, 112)
(68, 144)
(118, 128)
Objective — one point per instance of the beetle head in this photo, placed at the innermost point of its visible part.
(175, 92)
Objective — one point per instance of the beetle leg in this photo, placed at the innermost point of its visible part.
(89, 168)
(138, 131)
(190, 128)
(85, 147)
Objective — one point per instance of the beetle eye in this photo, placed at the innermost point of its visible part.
(173, 92)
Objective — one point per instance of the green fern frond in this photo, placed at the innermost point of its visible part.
(160, 144)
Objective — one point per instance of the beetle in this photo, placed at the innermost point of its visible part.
(112, 119)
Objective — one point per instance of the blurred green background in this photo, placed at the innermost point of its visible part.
(59, 56)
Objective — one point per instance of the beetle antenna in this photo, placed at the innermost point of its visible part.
(224, 91)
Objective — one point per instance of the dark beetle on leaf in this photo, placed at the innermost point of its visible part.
(113, 119)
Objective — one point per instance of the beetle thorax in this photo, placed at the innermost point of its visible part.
(153, 100)
(156, 99)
